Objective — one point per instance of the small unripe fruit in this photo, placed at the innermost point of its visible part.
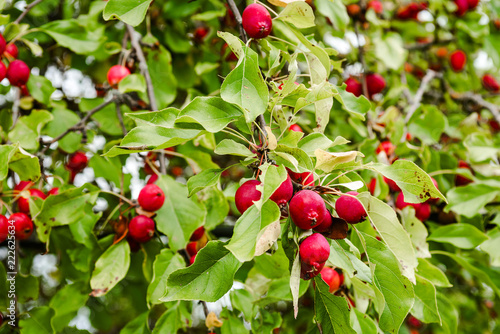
(325, 225)
(442, 52)
(192, 248)
(376, 6)
(151, 197)
(350, 209)
(141, 228)
(77, 162)
(314, 252)
(332, 278)
(422, 210)
(307, 209)
(387, 147)
(116, 73)
(490, 83)
(296, 128)
(197, 234)
(375, 83)
(305, 179)
(22, 224)
(23, 203)
(457, 60)
(4, 228)
(12, 50)
(354, 86)
(18, 73)
(3, 71)
(2, 44)
(256, 21)
(246, 194)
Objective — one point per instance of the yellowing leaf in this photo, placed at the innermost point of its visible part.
(327, 161)
(283, 3)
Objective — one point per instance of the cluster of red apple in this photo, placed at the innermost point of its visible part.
(151, 160)
(411, 10)
(76, 164)
(197, 241)
(17, 71)
(375, 84)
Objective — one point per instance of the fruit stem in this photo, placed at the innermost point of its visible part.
(125, 199)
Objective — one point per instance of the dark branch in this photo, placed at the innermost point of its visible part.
(26, 10)
(120, 118)
(420, 93)
(237, 15)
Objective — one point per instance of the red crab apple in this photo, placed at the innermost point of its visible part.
(314, 251)
(325, 225)
(375, 83)
(77, 162)
(457, 60)
(4, 228)
(392, 185)
(200, 33)
(372, 185)
(387, 147)
(152, 179)
(192, 259)
(305, 178)
(462, 180)
(192, 248)
(18, 73)
(141, 228)
(490, 83)
(354, 86)
(376, 6)
(256, 21)
(436, 199)
(350, 208)
(11, 50)
(472, 4)
(2, 44)
(23, 185)
(151, 197)
(307, 209)
(22, 224)
(462, 7)
(247, 193)
(353, 9)
(422, 210)
(3, 71)
(116, 73)
(332, 278)
(53, 191)
(197, 234)
(296, 128)
(23, 203)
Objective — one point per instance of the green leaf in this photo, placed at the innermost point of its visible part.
(329, 161)
(481, 147)
(40, 88)
(245, 86)
(165, 263)
(357, 107)
(139, 325)
(419, 124)
(208, 278)
(66, 303)
(28, 128)
(416, 185)
(470, 199)
(74, 36)
(6, 151)
(491, 246)
(342, 256)
(30, 290)
(425, 308)
(298, 13)
(417, 231)
(432, 273)
(129, 11)
(110, 268)
(248, 228)
(460, 235)
(362, 323)
(390, 50)
(36, 49)
(232, 323)
(335, 11)
(179, 216)
(212, 113)
(63, 119)
(233, 42)
(164, 82)
(332, 312)
(316, 140)
(383, 217)
(229, 146)
(38, 321)
(165, 117)
(397, 290)
(170, 322)
(132, 83)
(207, 178)
(27, 166)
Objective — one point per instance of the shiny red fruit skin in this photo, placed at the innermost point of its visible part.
(18, 73)
(433, 200)
(12, 50)
(305, 179)
(325, 224)
(296, 128)
(116, 73)
(375, 83)
(151, 197)
(372, 185)
(192, 259)
(77, 162)
(472, 4)
(256, 21)
(246, 195)
(457, 60)
(331, 277)
(314, 251)
(490, 83)
(354, 86)
(284, 193)
(141, 228)
(3, 71)
(23, 225)
(192, 248)
(23, 203)
(197, 234)
(376, 6)
(350, 209)
(2, 44)
(462, 7)
(422, 210)
(307, 209)
(53, 191)
(23, 185)
(387, 147)
(462, 180)
(4, 228)
(200, 33)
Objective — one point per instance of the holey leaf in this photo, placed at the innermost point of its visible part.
(110, 268)
(416, 185)
(245, 86)
(208, 278)
(328, 161)
(298, 13)
(396, 289)
(384, 218)
(332, 311)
